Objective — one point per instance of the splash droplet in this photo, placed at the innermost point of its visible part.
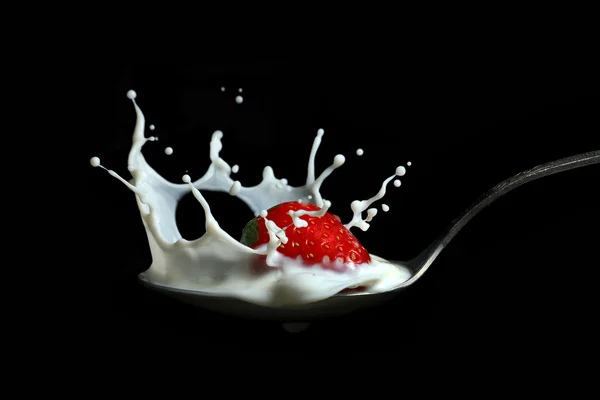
(360, 152)
(339, 160)
(235, 188)
(95, 162)
(397, 183)
(371, 212)
(239, 99)
(168, 151)
(131, 94)
(385, 207)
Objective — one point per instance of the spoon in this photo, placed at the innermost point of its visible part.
(347, 302)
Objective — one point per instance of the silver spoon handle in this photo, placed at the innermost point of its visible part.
(424, 260)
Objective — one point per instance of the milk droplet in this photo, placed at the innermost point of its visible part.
(359, 206)
(240, 90)
(268, 173)
(283, 181)
(94, 161)
(131, 94)
(263, 213)
(360, 152)
(397, 183)
(385, 207)
(276, 236)
(400, 171)
(371, 212)
(235, 188)
(222, 88)
(339, 160)
(300, 223)
(409, 163)
(168, 151)
(186, 178)
(309, 197)
(235, 169)
(239, 99)
(152, 127)
(320, 132)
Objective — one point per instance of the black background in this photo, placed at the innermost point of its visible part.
(466, 119)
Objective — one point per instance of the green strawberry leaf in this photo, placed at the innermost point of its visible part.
(250, 233)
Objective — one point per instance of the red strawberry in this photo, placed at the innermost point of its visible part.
(324, 236)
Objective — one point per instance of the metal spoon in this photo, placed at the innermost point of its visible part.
(344, 303)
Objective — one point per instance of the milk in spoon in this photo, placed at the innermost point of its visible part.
(219, 265)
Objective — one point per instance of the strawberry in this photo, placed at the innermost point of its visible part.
(324, 236)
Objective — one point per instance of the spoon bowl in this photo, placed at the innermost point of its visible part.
(348, 302)
(338, 305)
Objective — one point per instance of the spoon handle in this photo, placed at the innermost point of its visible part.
(420, 263)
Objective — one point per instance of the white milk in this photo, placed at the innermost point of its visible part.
(219, 264)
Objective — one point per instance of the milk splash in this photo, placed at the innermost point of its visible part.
(217, 264)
